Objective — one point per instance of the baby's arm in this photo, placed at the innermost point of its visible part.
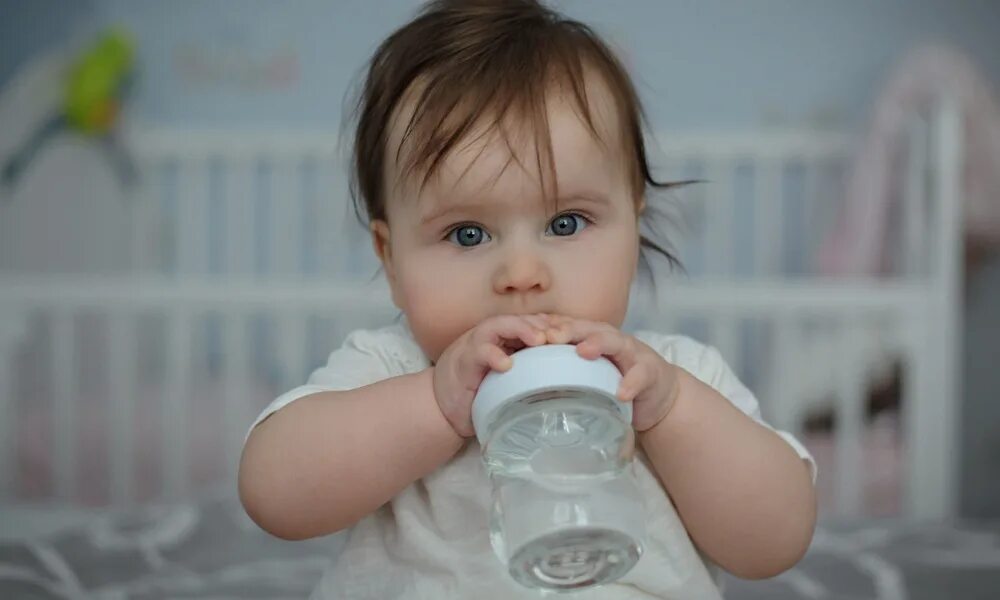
(326, 460)
(323, 462)
(744, 495)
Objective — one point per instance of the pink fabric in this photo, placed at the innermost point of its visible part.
(857, 243)
(882, 476)
(204, 436)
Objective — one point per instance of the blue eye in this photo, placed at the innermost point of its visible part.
(468, 236)
(567, 224)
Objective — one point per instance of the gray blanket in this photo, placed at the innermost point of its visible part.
(210, 549)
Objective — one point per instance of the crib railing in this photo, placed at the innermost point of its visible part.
(105, 323)
(278, 205)
(246, 206)
(792, 313)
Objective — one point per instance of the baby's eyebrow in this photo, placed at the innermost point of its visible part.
(440, 210)
(585, 198)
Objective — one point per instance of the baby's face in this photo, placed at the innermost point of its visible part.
(480, 239)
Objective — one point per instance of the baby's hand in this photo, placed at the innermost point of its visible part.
(648, 381)
(462, 366)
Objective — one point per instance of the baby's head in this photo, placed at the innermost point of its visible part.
(499, 160)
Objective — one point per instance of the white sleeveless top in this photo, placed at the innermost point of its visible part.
(432, 540)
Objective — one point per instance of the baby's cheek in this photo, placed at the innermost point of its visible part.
(438, 314)
(604, 305)
(603, 294)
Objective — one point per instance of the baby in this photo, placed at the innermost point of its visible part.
(499, 160)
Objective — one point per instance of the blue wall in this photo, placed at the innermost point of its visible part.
(710, 64)
(29, 27)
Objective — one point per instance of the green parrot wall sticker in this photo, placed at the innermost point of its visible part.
(96, 85)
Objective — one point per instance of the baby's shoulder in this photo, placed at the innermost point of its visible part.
(394, 334)
(393, 345)
(683, 351)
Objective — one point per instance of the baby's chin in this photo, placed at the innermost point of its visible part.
(433, 346)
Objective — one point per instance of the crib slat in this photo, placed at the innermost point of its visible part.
(695, 217)
(768, 242)
(122, 375)
(720, 219)
(917, 394)
(191, 236)
(143, 223)
(724, 334)
(784, 390)
(292, 337)
(64, 413)
(850, 422)
(914, 245)
(286, 197)
(335, 215)
(8, 406)
(311, 225)
(236, 409)
(932, 416)
(357, 259)
(175, 415)
(811, 226)
(237, 211)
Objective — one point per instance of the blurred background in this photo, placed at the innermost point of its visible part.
(177, 248)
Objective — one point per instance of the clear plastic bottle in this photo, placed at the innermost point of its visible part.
(558, 447)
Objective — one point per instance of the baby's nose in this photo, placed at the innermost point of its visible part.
(522, 271)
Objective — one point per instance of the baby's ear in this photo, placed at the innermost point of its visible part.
(382, 246)
(380, 240)
(383, 249)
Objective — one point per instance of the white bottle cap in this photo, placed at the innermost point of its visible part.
(542, 369)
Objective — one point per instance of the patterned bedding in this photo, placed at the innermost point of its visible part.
(210, 549)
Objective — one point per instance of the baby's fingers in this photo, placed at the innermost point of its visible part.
(607, 342)
(638, 378)
(595, 339)
(499, 329)
(492, 356)
(540, 321)
(571, 331)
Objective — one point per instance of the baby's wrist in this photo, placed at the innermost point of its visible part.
(672, 374)
(428, 378)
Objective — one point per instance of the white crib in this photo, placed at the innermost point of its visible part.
(249, 269)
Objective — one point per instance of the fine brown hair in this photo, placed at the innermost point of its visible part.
(466, 63)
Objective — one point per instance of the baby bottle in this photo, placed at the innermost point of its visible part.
(558, 447)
